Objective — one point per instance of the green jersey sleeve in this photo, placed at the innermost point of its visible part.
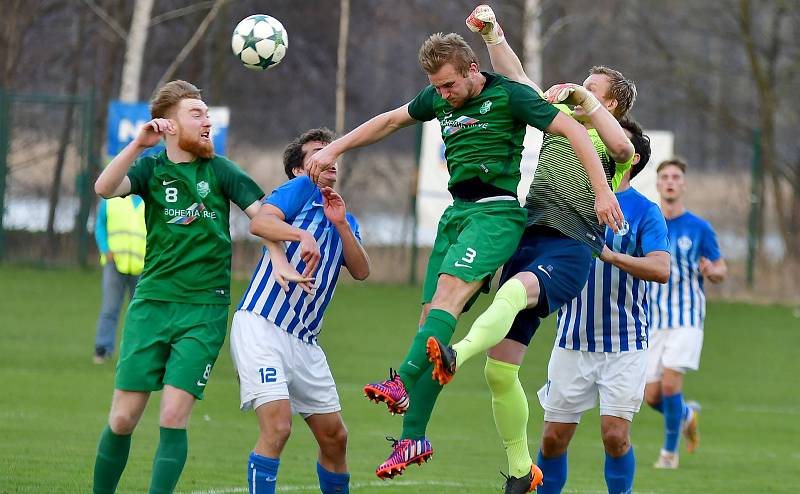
(139, 175)
(528, 106)
(619, 171)
(421, 107)
(236, 184)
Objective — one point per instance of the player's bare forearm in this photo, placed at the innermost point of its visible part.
(355, 257)
(373, 130)
(272, 228)
(269, 224)
(652, 267)
(277, 253)
(505, 62)
(612, 134)
(113, 180)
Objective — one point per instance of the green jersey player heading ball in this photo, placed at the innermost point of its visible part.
(483, 117)
(177, 320)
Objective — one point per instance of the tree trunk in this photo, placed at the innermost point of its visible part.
(50, 247)
(532, 42)
(114, 50)
(793, 233)
(134, 53)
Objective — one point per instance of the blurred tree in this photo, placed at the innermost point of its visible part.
(750, 85)
(50, 243)
(134, 51)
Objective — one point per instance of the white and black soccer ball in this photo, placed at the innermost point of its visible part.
(260, 42)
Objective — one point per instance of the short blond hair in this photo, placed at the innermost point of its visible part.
(440, 49)
(169, 95)
(621, 89)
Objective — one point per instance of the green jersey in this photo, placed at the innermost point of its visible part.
(483, 138)
(561, 194)
(187, 213)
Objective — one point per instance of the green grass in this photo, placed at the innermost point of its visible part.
(55, 402)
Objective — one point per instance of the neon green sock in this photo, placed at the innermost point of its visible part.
(510, 409)
(169, 460)
(112, 455)
(492, 326)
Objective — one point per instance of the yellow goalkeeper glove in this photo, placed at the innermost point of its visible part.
(573, 94)
(483, 21)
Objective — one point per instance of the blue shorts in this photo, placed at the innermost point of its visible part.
(561, 264)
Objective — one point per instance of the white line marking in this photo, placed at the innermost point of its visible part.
(357, 485)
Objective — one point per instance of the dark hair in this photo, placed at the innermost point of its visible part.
(641, 144)
(169, 95)
(440, 49)
(293, 155)
(672, 162)
(621, 89)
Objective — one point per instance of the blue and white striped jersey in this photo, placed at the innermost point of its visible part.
(681, 302)
(610, 314)
(297, 312)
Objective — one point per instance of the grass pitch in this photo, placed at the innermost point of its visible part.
(55, 401)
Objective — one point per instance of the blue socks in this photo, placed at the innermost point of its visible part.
(262, 474)
(555, 473)
(333, 483)
(675, 411)
(262, 477)
(619, 473)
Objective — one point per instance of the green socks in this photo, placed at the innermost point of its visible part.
(492, 326)
(423, 398)
(169, 460)
(510, 408)
(439, 323)
(112, 455)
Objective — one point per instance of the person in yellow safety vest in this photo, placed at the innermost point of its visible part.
(120, 234)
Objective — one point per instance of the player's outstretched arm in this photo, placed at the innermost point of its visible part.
(608, 127)
(113, 181)
(605, 203)
(613, 136)
(270, 224)
(654, 266)
(373, 130)
(355, 257)
(504, 60)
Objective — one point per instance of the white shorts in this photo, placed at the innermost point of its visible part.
(677, 349)
(576, 378)
(274, 365)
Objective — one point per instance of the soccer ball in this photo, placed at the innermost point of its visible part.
(259, 42)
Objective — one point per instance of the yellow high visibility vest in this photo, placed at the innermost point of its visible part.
(126, 234)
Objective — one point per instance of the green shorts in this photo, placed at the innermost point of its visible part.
(170, 343)
(473, 240)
